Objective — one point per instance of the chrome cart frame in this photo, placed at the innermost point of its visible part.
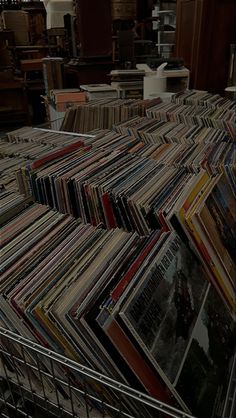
(37, 380)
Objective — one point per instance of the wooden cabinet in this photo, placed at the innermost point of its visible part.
(204, 31)
(94, 29)
(14, 107)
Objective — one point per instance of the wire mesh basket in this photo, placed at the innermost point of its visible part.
(38, 382)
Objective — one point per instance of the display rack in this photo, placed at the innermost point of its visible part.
(165, 42)
(35, 378)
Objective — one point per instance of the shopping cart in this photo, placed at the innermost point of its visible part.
(37, 382)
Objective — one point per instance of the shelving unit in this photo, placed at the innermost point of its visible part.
(165, 38)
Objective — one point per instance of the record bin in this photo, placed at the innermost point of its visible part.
(36, 382)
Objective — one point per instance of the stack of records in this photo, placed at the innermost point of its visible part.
(27, 144)
(9, 167)
(205, 213)
(109, 158)
(153, 131)
(132, 272)
(11, 204)
(201, 113)
(103, 113)
(214, 117)
(24, 150)
(41, 137)
(136, 190)
(139, 309)
(203, 98)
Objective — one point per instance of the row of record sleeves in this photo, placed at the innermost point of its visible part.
(33, 143)
(139, 309)
(219, 118)
(11, 204)
(210, 111)
(28, 144)
(119, 181)
(103, 113)
(203, 98)
(166, 143)
(214, 156)
(118, 189)
(152, 131)
(9, 166)
(151, 303)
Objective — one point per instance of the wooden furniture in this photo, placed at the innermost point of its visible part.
(94, 29)
(33, 51)
(204, 31)
(31, 65)
(33, 74)
(37, 19)
(87, 73)
(13, 102)
(6, 39)
(56, 36)
(7, 36)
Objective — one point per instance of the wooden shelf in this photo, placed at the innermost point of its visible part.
(35, 47)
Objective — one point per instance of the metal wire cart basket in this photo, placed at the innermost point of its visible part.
(38, 382)
(33, 376)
